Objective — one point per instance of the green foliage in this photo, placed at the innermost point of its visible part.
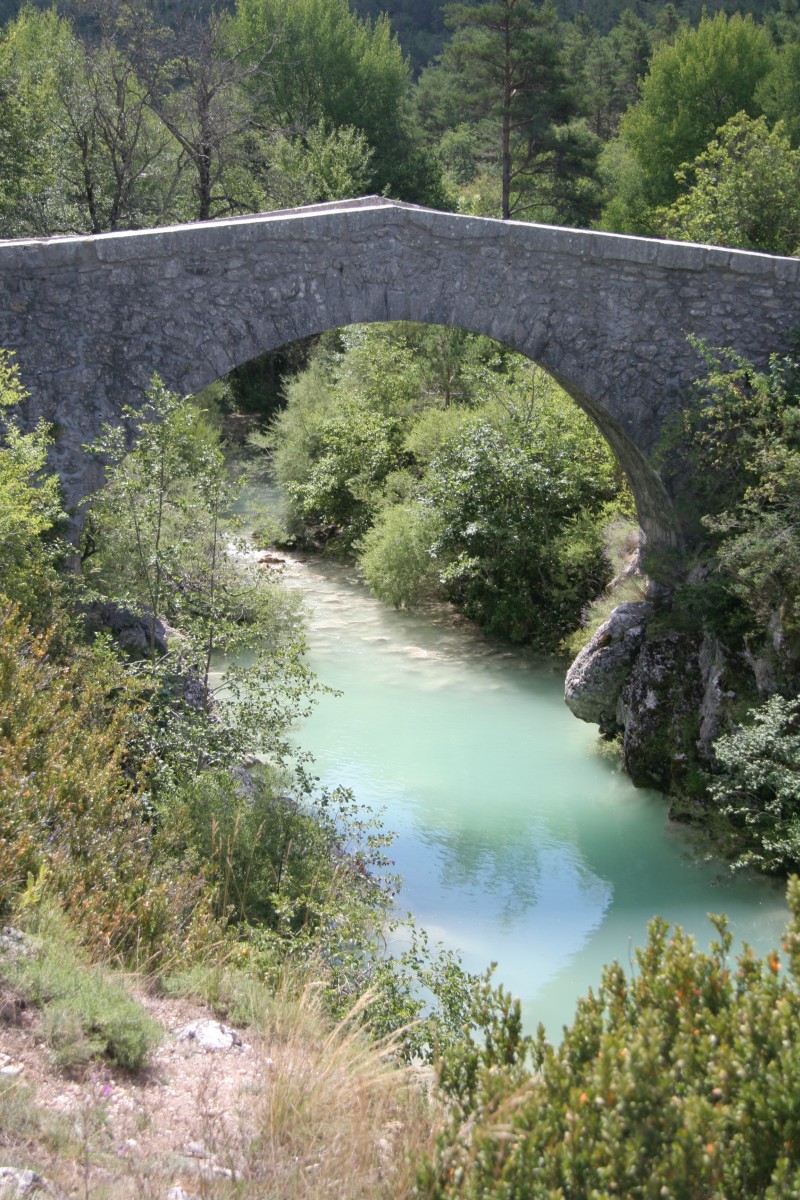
(331, 67)
(518, 545)
(163, 542)
(86, 1013)
(455, 470)
(504, 69)
(758, 787)
(694, 85)
(357, 449)
(739, 442)
(324, 164)
(396, 558)
(732, 416)
(302, 887)
(84, 151)
(742, 191)
(779, 91)
(273, 861)
(609, 68)
(676, 1079)
(29, 504)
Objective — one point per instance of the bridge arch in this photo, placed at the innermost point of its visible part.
(91, 318)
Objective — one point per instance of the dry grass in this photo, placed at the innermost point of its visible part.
(622, 538)
(338, 1116)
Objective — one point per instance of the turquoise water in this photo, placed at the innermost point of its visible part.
(518, 842)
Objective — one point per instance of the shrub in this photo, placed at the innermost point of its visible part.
(758, 788)
(87, 1014)
(678, 1080)
(68, 798)
(395, 555)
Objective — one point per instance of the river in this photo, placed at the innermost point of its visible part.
(517, 841)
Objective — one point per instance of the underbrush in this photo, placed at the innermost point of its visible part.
(86, 1012)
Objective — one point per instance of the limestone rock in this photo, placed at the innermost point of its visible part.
(713, 707)
(14, 943)
(658, 710)
(596, 678)
(209, 1035)
(16, 1183)
(131, 630)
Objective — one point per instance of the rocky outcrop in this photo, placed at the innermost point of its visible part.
(658, 711)
(595, 680)
(133, 631)
(649, 689)
(16, 1183)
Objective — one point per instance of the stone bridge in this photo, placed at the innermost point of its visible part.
(91, 318)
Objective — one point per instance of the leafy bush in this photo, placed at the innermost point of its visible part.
(518, 545)
(395, 555)
(758, 788)
(741, 191)
(678, 1080)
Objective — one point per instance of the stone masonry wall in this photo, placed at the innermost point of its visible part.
(91, 318)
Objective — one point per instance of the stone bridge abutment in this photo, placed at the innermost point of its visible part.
(91, 318)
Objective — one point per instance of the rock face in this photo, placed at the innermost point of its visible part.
(658, 711)
(595, 680)
(647, 688)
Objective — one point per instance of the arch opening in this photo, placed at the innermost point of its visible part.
(657, 518)
(387, 423)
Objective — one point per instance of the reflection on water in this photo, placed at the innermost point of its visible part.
(516, 841)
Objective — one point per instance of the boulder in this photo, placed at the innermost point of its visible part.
(205, 1034)
(595, 680)
(132, 630)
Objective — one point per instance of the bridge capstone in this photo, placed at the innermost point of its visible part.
(91, 318)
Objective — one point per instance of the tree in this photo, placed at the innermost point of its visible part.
(34, 195)
(125, 163)
(30, 504)
(507, 68)
(758, 787)
(84, 151)
(516, 498)
(743, 190)
(779, 91)
(329, 66)
(453, 467)
(162, 542)
(695, 84)
(609, 68)
(319, 165)
(195, 78)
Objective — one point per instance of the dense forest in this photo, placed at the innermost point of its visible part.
(452, 471)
